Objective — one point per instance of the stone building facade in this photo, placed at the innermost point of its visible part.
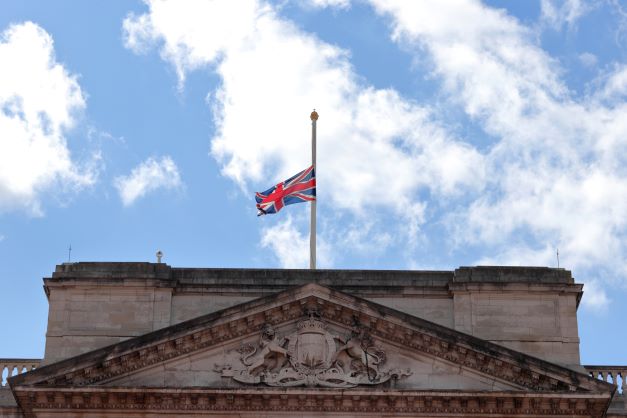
(150, 340)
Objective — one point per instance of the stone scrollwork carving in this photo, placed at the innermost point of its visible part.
(312, 356)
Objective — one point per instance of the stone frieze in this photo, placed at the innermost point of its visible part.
(138, 400)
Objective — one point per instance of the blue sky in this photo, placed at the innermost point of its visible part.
(450, 133)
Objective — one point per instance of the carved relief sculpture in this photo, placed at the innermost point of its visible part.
(312, 356)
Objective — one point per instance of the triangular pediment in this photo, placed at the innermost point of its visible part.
(307, 337)
(313, 352)
(431, 352)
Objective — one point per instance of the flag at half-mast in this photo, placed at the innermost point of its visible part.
(297, 189)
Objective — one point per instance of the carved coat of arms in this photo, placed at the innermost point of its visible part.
(312, 356)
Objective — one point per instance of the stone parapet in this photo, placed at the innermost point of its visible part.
(512, 274)
(616, 375)
(10, 367)
(87, 270)
(280, 278)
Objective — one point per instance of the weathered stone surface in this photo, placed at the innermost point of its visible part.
(117, 270)
(407, 333)
(526, 308)
(512, 274)
(186, 306)
(8, 406)
(153, 402)
(189, 368)
(537, 318)
(6, 397)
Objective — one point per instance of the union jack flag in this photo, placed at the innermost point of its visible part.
(296, 189)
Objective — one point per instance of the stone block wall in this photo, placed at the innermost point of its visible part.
(537, 319)
(533, 310)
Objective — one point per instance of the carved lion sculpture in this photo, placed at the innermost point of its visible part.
(270, 354)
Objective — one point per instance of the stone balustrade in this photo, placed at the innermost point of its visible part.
(13, 366)
(616, 375)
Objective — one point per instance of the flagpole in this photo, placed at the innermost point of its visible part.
(312, 226)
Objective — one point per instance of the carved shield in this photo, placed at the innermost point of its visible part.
(312, 347)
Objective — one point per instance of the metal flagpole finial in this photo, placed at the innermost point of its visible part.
(314, 115)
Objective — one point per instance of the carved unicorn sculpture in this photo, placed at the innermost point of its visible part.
(359, 349)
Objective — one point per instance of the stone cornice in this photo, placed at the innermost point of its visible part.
(417, 403)
(386, 324)
(289, 277)
(502, 287)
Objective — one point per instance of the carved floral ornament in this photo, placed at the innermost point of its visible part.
(312, 356)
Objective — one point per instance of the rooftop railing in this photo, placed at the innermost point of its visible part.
(616, 375)
(10, 367)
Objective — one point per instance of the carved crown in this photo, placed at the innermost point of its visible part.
(311, 324)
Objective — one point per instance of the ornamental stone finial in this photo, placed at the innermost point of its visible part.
(314, 115)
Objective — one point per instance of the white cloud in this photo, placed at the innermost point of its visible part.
(291, 247)
(342, 4)
(588, 59)
(554, 174)
(362, 236)
(376, 149)
(595, 297)
(38, 103)
(560, 13)
(522, 255)
(557, 167)
(621, 14)
(195, 33)
(147, 177)
(613, 86)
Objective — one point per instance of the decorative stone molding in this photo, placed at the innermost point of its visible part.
(294, 400)
(312, 356)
